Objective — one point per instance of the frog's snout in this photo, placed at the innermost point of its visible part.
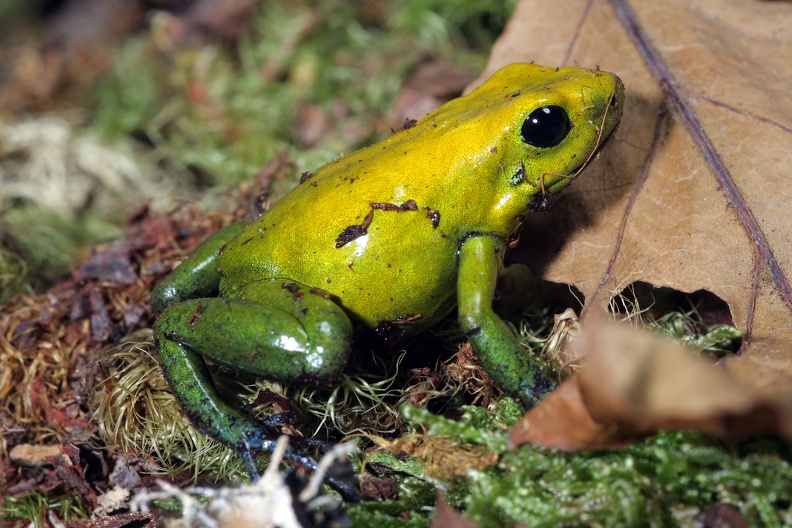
(617, 98)
(617, 101)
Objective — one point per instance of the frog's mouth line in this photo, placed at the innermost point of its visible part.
(602, 143)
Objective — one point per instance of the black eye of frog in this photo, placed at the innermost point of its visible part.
(545, 127)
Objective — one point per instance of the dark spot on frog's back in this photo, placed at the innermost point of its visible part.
(320, 292)
(349, 234)
(354, 231)
(384, 206)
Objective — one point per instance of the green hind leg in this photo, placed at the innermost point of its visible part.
(275, 329)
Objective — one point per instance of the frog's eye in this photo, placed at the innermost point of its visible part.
(545, 127)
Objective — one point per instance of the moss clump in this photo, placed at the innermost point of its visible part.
(667, 480)
(31, 510)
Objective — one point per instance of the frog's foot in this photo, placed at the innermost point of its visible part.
(341, 477)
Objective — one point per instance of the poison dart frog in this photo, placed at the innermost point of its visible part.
(399, 233)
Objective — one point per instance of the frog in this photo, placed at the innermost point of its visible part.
(394, 235)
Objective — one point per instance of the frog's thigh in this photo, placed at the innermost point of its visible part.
(197, 276)
(275, 329)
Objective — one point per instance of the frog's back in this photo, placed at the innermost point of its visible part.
(380, 228)
(380, 252)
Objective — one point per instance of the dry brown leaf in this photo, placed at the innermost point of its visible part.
(448, 517)
(694, 191)
(430, 85)
(635, 383)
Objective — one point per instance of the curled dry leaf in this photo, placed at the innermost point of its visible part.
(693, 192)
(635, 383)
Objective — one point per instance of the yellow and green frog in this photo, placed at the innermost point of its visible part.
(398, 233)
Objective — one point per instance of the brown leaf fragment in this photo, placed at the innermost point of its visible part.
(34, 455)
(634, 383)
(376, 488)
(723, 515)
(563, 420)
(111, 265)
(225, 19)
(26, 334)
(102, 326)
(429, 86)
(448, 517)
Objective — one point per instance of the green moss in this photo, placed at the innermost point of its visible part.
(688, 328)
(33, 507)
(664, 481)
(137, 413)
(412, 507)
(653, 483)
(38, 247)
(227, 111)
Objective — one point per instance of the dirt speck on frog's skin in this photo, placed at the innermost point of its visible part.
(294, 289)
(320, 291)
(385, 206)
(432, 215)
(196, 316)
(408, 123)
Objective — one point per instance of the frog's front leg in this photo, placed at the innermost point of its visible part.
(498, 350)
(276, 329)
